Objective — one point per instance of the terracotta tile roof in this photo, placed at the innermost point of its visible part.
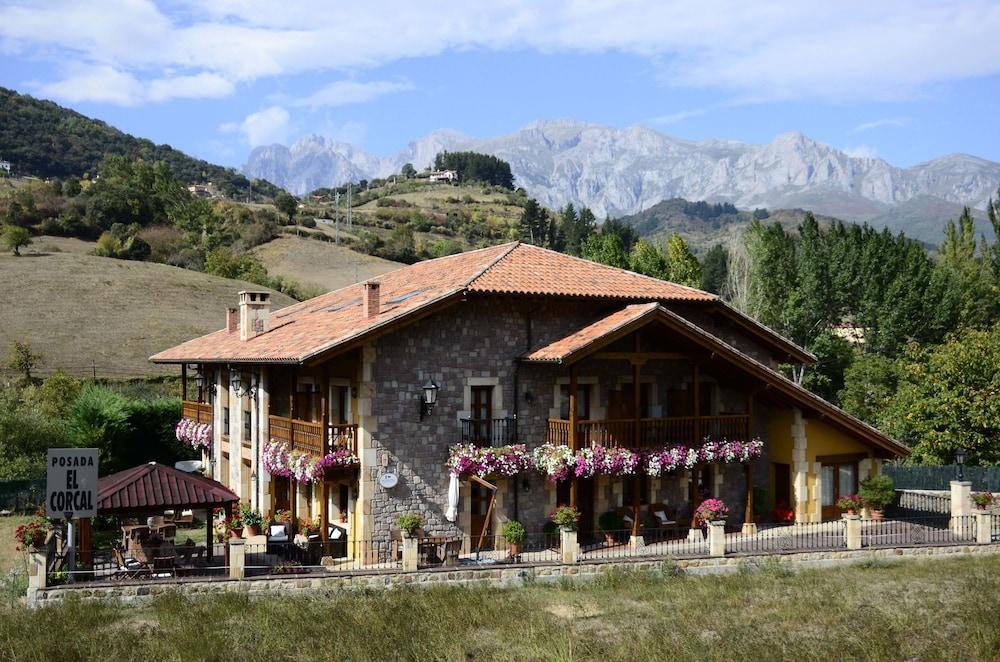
(153, 487)
(600, 333)
(532, 270)
(564, 348)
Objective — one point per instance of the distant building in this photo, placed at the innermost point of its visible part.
(5, 166)
(443, 176)
(202, 190)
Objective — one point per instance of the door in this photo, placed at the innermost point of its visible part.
(585, 504)
(482, 414)
(782, 485)
(480, 504)
(839, 480)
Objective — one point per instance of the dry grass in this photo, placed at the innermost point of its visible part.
(319, 264)
(9, 556)
(76, 308)
(914, 610)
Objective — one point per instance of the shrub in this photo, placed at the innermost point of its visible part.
(410, 522)
(610, 521)
(251, 516)
(514, 533)
(710, 510)
(851, 502)
(566, 517)
(983, 500)
(877, 491)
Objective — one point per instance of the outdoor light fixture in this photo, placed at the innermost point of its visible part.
(429, 398)
(237, 382)
(960, 461)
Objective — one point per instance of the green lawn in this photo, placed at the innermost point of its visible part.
(912, 610)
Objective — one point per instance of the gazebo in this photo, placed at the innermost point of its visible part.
(153, 488)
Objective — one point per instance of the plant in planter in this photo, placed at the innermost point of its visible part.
(235, 525)
(515, 535)
(252, 520)
(877, 493)
(609, 523)
(409, 523)
(983, 500)
(710, 510)
(31, 534)
(566, 518)
(851, 504)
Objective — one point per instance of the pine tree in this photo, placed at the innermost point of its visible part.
(534, 223)
(684, 266)
(715, 269)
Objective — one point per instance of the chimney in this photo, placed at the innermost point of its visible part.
(232, 321)
(371, 301)
(255, 311)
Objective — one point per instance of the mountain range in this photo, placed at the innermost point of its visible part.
(617, 172)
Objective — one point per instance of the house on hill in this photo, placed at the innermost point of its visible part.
(508, 345)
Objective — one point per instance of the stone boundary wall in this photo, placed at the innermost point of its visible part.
(141, 593)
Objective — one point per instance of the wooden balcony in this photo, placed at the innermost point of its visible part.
(652, 431)
(307, 436)
(200, 412)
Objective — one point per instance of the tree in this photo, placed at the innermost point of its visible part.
(715, 269)
(626, 232)
(575, 228)
(971, 272)
(22, 359)
(834, 356)
(606, 249)
(476, 167)
(647, 259)
(408, 171)
(534, 223)
(15, 238)
(401, 245)
(287, 204)
(684, 267)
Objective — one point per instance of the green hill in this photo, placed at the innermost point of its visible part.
(82, 311)
(42, 139)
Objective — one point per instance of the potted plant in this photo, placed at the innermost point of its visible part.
(851, 504)
(31, 534)
(710, 510)
(566, 518)
(983, 500)
(235, 525)
(514, 534)
(409, 523)
(252, 520)
(609, 523)
(877, 493)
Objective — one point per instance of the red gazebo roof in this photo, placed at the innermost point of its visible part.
(157, 487)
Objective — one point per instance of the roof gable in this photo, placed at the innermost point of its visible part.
(157, 487)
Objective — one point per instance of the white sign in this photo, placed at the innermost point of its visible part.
(71, 485)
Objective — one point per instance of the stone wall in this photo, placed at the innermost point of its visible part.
(507, 577)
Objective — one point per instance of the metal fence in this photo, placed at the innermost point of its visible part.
(914, 503)
(291, 558)
(619, 545)
(104, 565)
(926, 530)
(921, 477)
(777, 539)
(21, 495)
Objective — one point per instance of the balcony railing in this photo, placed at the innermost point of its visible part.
(492, 432)
(200, 412)
(652, 431)
(307, 436)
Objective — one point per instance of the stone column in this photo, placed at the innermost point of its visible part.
(800, 466)
(367, 427)
(237, 558)
(568, 546)
(717, 538)
(411, 555)
(37, 570)
(852, 531)
(984, 527)
(961, 504)
(218, 424)
(264, 428)
(236, 441)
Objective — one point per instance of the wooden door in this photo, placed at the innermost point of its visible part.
(480, 503)
(782, 485)
(482, 413)
(340, 404)
(839, 479)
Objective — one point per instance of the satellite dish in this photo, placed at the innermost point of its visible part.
(388, 480)
(190, 466)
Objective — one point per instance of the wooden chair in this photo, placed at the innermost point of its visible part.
(163, 566)
(452, 549)
(128, 568)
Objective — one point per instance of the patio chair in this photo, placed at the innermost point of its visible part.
(163, 566)
(128, 568)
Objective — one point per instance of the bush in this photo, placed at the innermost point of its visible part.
(610, 521)
(877, 492)
(566, 517)
(410, 522)
(514, 533)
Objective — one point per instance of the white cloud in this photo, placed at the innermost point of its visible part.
(108, 85)
(679, 116)
(861, 152)
(345, 92)
(203, 85)
(265, 127)
(877, 124)
(770, 50)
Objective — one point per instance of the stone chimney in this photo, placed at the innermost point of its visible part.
(255, 313)
(232, 320)
(371, 300)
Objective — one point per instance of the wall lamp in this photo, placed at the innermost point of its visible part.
(237, 382)
(204, 386)
(428, 399)
(960, 461)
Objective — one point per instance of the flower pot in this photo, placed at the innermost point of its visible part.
(609, 539)
(877, 514)
(38, 539)
(236, 532)
(851, 512)
(515, 549)
(253, 530)
(567, 529)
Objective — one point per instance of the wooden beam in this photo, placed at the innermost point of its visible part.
(640, 356)
(748, 517)
(637, 428)
(572, 430)
(324, 514)
(696, 385)
(184, 381)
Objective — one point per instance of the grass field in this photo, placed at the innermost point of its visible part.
(75, 308)
(320, 264)
(913, 610)
(9, 556)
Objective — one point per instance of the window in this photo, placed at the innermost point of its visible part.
(481, 413)
(246, 424)
(582, 401)
(225, 421)
(839, 479)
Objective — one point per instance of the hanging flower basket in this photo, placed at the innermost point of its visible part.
(556, 461)
(472, 460)
(303, 467)
(611, 461)
(193, 434)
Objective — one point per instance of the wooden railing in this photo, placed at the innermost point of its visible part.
(200, 412)
(307, 436)
(652, 431)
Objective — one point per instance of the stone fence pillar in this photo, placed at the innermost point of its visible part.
(569, 546)
(984, 528)
(961, 504)
(411, 554)
(237, 558)
(852, 531)
(38, 566)
(716, 538)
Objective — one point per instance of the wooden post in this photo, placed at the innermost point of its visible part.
(572, 431)
(209, 533)
(696, 393)
(637, 425)
(184, 381)
(748, 517)
(293, 487)
(749, 430)
(85, 555)
(324, 509)
(324, 513)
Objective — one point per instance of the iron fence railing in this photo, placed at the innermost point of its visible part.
(778, 539)
(925, 530)
(107, 565)
(610, 545)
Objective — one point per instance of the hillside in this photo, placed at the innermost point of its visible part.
(81, 309)
(42, 139)
(319, 265)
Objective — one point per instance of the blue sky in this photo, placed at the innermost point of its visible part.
(906, 81)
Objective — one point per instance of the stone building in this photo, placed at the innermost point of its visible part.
(512, 344)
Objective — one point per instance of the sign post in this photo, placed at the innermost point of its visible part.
(71, 489)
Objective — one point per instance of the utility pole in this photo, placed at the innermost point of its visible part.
(349, 226)
(336, 216)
